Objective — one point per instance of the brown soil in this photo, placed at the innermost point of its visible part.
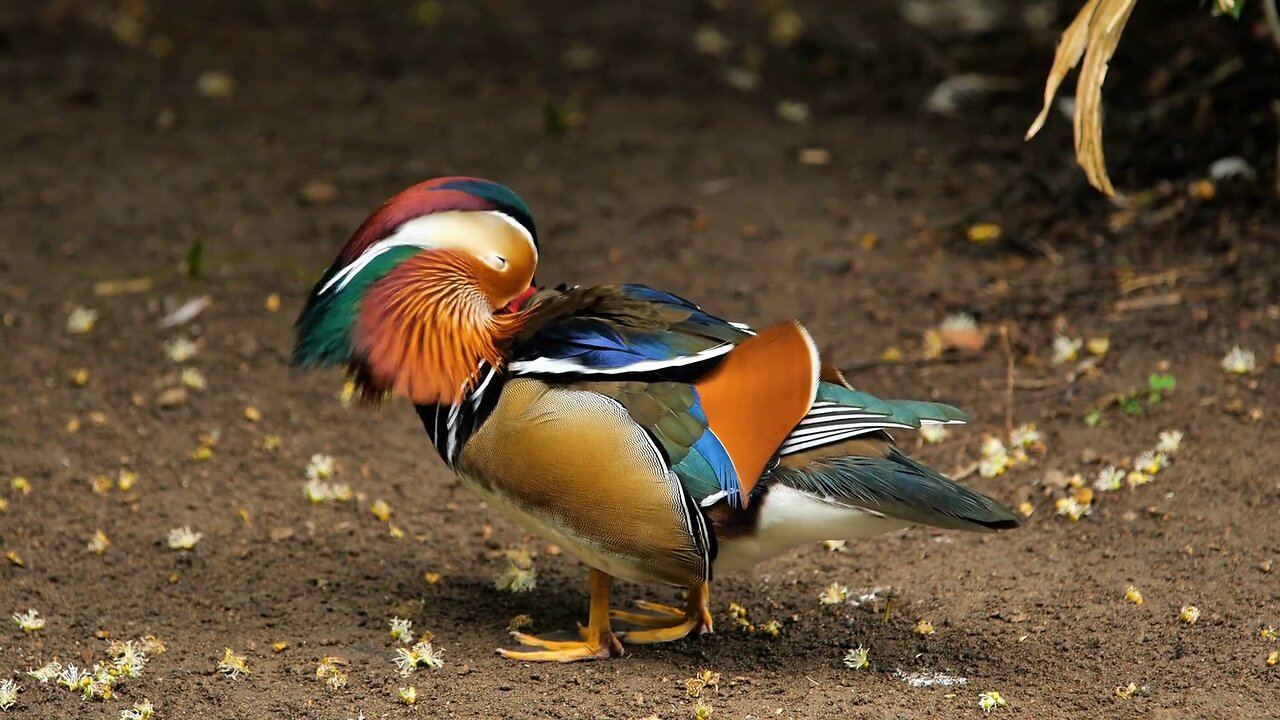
(675, 180)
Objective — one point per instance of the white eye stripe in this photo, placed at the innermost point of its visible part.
(419, 232)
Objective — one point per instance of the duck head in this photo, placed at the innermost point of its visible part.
(424, 291)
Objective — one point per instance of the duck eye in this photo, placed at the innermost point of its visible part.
(497, 262)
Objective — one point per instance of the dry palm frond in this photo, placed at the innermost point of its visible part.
(1093, 35)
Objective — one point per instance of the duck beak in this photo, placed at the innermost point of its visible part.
(519, 300)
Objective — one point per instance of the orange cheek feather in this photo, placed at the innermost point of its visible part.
(424, 329)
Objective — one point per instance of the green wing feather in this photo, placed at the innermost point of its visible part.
(899, 412)
(869, 474)
(666, 411)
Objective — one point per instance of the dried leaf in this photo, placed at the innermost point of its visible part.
(1094, 35)
(1104, 33)
(1070, 49)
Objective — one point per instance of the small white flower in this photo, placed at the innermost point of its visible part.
(1066, 349)
(183, 538)
(100, 682)
(1239, 361)
(141, 711)
(129, 660)
(856, 658)
(46, 672)
(933, 434)
(1150, 462)
(995, 458)
(73, 678)
(1025, 436)
(402, 629)
(81, 320)
(99, 543)
(331, 671)
(232, 664)
(834, 594)
(994, 466)
(958, 321)
(517, 579)
(8, 694)
(180, 349)
(1072, 508)
(320, 467)
(1110, 479)
(317, 491)
(990, 700)
(428, 656)
(1170, 442)
(420, 655)
(406, 662)
(29, 621)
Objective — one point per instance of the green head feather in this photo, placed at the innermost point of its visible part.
(324, 328)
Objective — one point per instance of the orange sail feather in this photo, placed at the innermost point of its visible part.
(756, 396)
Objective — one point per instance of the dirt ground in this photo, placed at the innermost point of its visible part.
(642, 164)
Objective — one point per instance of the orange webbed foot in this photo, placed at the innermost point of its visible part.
(597, 642)
(664, 623)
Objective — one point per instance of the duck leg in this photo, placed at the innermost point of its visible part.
(664, 623)
(598, 641)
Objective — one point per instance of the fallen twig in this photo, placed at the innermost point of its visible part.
(1008, 380)
(1168, 277)
(1148, 302)
(964, 471)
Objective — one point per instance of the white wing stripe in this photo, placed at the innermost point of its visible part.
(849, 428)
(796, 443)
(559, 366)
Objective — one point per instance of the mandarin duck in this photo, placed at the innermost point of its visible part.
(652, 440)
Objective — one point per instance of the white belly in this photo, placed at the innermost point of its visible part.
(551, 532)
(789, 519)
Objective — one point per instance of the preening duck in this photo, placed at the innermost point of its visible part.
(652, 440)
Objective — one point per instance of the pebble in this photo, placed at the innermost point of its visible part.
(172, 397)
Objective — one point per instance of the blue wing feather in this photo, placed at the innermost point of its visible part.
(600, 337)
(605, 341)
(708, 462)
